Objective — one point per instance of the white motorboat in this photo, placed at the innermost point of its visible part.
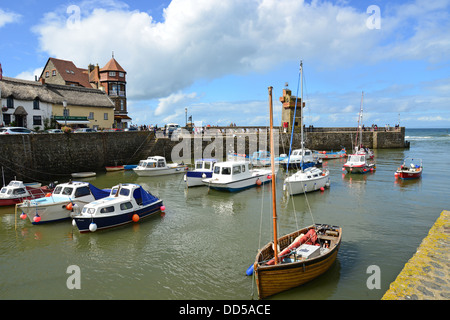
(157, 166)
(301, 159)
(236, 175)
(203, 169)
(126, 203)
(357, 163)
(66, 199)
(17, 191)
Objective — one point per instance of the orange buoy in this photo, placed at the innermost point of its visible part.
(69, 206)
(48, 194)
(135, 217)
(258, 182)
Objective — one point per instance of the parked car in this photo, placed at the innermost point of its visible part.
(85, 130)
(131, 129)
(112, 130)
(15, 130)
(54, 131)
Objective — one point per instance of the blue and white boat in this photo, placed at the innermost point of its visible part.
(235, 176)
(65, 200)
(126, 203)
(301, 159)
(203, 169)
(330, 154)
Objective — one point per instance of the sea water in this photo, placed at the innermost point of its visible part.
(201, 247)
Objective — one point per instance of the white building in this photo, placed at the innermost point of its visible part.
(23, 104)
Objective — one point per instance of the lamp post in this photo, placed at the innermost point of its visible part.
(185, 115)
(65, 112)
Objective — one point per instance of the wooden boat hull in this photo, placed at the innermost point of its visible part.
(273, 279)
(114, 168)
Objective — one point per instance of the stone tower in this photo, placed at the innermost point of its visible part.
(287, 112)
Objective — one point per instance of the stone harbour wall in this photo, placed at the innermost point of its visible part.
(50, 157)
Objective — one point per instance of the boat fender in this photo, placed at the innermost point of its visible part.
(135, 217)
(23, 216)
(69, 206)
(92, 227)
(36, 218)
(48, 194)
(249, 271)
(258, 182)
(162, 208)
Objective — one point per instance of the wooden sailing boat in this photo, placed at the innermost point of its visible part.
(305, 254)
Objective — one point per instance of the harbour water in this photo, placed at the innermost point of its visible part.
(202, 245)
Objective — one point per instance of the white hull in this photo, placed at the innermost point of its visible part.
(150, 172)
(194, 182)
(53, 211)
(302, 182)
(235, 185)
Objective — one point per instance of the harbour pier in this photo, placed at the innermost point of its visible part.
(426, 276)
(47, 157)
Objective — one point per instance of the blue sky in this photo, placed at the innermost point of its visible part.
(217, 57)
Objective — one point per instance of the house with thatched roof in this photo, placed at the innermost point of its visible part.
(33, 104)
(111, 79)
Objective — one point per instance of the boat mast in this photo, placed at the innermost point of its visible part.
(301, 114)
(359, 134)
(272, 165)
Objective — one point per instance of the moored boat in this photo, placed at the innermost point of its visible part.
(236, 175)
(114, 168)
(65, 200)
(203, 169)
(126, 203)
(310, 179)
(301, 159)
(83, 174)
(157, 166)
(327, 155)
(304, 255)
(410, 169)
(17, 191)
(297, 257)
(357, 163)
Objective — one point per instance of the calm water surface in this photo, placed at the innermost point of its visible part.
(203, 244)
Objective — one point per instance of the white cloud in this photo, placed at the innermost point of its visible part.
(174, 103)
(208, 39)
(29, 75)
(8, 17)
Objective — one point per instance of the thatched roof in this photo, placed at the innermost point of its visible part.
(53, 93)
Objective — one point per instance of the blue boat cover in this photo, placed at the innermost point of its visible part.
(98, 193)
(146, 196)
